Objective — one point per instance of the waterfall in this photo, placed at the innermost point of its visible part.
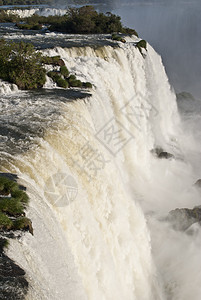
(84, 176)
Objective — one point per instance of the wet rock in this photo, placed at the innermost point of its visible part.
(13, 284)
(10, 176)
(23, 223)
(13, 177)
(183, 218)
(193, 229)
(165, 154)
(160, 153)
(61, 62)
(13, 221)
(198, 183)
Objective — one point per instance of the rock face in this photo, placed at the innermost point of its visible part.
(183, 218)
(13, 177)
(13, 284)
(198, 183)
(13, 201)
(165, 154)
(160, 153)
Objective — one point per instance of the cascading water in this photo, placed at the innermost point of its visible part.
(46, 11)
(91, 172)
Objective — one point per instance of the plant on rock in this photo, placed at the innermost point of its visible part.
(141, 44)
(64, 71)
(13, 202)
(21, 64)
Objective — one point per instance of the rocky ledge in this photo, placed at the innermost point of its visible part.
(13, 284)
(13, 221)
(182, 218)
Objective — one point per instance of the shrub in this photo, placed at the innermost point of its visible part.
(36, 27)
(75, 83)
(11, 206)
(5, 222)
(22, 223)
(12, 202)
(20, 195)
(87, 85)
(5, 17)
(64, 71)
(7, 186)
(54, 75)
(21, 64)
(29, 26)
(86, 20)
(71, 81)
(77, 20)
(118, 38)
(71, 78)
(53, 60)
(142, 44)
(62, 83)
(129, 31)
(12, 215)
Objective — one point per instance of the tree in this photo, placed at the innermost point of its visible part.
(21, 64)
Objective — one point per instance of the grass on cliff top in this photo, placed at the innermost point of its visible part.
(13, 202)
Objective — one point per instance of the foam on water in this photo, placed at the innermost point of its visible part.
(25, 13)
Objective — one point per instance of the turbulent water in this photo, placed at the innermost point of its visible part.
(98, 193)
(46, 11)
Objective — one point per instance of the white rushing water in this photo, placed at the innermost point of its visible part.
(47, 11)
(97, 193)
(6, 88)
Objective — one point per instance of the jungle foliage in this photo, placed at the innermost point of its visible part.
(21, 64)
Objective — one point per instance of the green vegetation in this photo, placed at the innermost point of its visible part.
(62, 79)
(24, 2)
(3, 244)
(71, 78)
(29, 26)
(50, 20)
(87, 85)
(11, 207)
(13, 202)
(54, 75)
(76, 83)
(58, 79)
(5, 17)
(86, 20)
(64, 71)
(53, 60)
(22, 223)
(118, 38)
(5, 222)
(61, 82)
(22, 65)
(141, 44)
(83, 20)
